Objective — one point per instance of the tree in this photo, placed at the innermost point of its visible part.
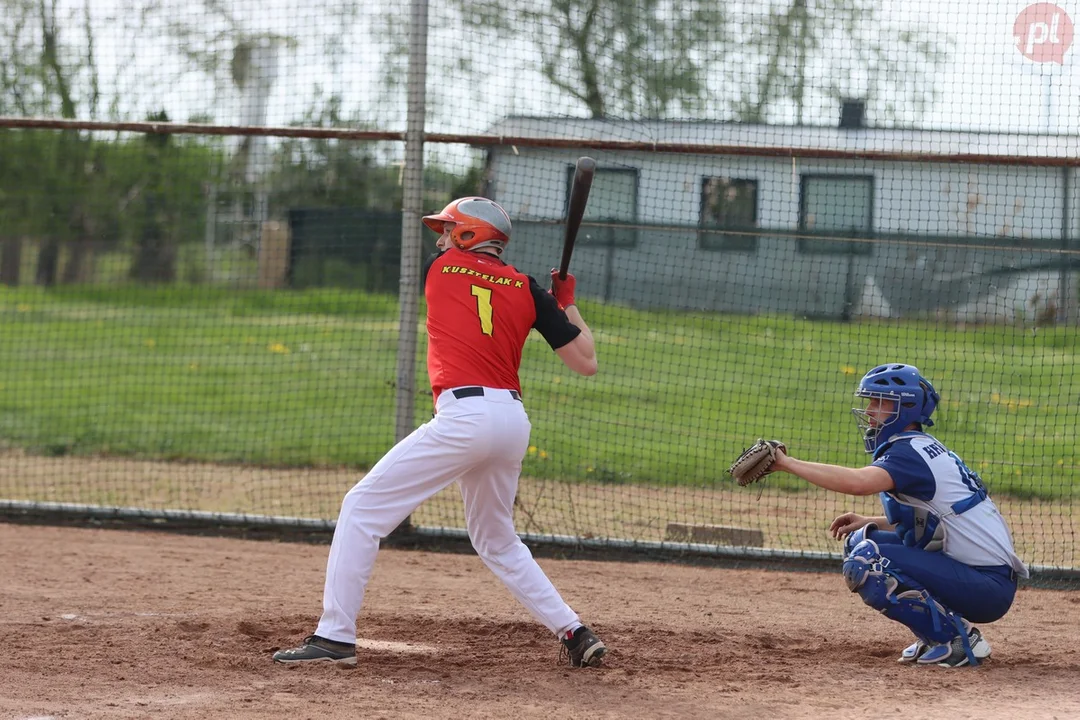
(155, 243)
(48, 68)
(317, 172)
(784, 60)
(616, 57)
(47, 61)
(803, 56)
(322, 173)
(42, 74)
(18, 87)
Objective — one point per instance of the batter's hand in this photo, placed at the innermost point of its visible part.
(846, 524)
(563, 290)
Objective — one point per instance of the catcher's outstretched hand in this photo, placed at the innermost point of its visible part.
(757, 461)
(847, 523)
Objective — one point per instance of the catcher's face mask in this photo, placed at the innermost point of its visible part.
(878, 411)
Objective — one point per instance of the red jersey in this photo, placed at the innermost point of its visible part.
(480, 311)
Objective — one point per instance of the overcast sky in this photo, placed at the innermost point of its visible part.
(986, 85)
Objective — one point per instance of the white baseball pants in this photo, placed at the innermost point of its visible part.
(477, 441)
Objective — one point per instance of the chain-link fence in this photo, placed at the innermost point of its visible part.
(210, 252)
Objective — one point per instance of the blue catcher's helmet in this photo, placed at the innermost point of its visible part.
(913, 394)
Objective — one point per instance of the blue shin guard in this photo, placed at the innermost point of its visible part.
(882, 586)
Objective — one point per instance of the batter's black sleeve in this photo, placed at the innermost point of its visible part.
(551, 321)
(426, 269)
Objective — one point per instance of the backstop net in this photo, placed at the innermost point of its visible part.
(202, 243)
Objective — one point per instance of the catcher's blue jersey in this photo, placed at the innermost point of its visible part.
(932, 479)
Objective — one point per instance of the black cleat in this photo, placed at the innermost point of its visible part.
(583, 649)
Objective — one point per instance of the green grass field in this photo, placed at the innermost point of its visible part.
(307, 379)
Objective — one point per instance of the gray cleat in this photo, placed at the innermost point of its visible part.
(317, 649)
(952, 653)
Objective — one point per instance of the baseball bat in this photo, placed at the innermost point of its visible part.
(579, 197)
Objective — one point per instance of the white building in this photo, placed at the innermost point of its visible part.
(981, 241)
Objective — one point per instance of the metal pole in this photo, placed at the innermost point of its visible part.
(411, 210)
(412, 201)
(1067, 295)
(210, 229)
(1048, 101)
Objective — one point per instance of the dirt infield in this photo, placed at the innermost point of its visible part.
(114, 624)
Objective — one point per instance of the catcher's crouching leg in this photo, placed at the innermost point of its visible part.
(882, 586)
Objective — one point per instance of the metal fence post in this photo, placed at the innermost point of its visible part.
(1068, 297)
(411, 210)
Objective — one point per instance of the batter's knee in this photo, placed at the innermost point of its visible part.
(374, 520)
(495, 548)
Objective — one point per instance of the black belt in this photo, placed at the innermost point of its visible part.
(477, 391)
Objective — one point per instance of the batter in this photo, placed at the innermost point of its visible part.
(480, 312)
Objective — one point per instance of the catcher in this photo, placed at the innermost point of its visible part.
(941, 557)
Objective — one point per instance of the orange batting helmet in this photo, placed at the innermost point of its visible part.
(477, 223)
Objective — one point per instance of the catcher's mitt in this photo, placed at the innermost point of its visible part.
(756, 461)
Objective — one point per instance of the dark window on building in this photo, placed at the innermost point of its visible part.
(728, 214)
(836, 206)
